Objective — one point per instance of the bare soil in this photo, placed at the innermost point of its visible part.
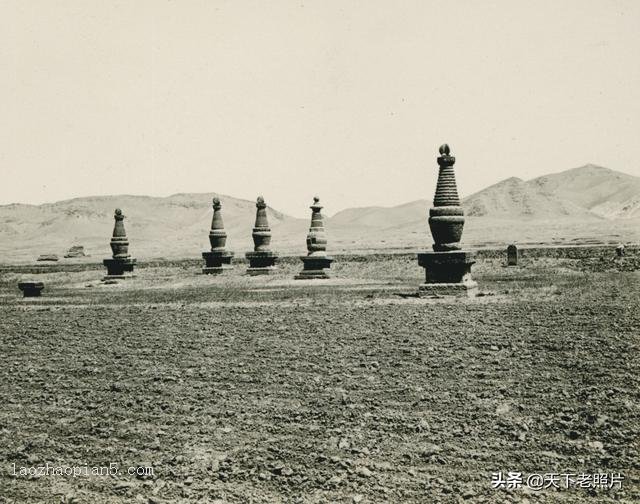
(264, 389)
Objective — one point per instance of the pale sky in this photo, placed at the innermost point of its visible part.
(345, 99)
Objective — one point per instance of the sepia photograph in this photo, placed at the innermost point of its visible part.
(319, 251)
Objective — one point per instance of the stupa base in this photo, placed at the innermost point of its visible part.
(261, 263)
(216, 270)
(467, 289)
(217, 262)
(314, 268)
(447, 274)
(119, 269)
(108, 278)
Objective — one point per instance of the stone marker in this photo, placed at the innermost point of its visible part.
(447, 268)
(75, 251)
(31, 289)
(262, 259)
(217, 260)
(47, 257)
(512, 255)
(620, 250)
(121, 265)
(316, 260)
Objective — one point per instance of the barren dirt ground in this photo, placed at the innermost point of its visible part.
(244, 389)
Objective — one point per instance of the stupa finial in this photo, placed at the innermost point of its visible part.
(445, 159)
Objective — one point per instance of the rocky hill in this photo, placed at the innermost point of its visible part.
(586, 192)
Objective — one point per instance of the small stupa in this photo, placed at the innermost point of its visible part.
(316, 261)
(447, 268)
(262, 260)
(121, 264)
(218, 259)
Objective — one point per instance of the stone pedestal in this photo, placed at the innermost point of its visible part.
(316, 262)
(31, 289)
(47, 257)
(217, 262)
(447, 273)
(119, 269)
(447, 268)
(512, 255)
(121, 264)
(314, 268)
(261, 262)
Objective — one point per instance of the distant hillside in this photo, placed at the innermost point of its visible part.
(177, 225)
(514, 197)
(584, 204)
(604, 192)
(588, 192)
(382, 217)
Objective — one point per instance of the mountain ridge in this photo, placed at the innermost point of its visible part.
(585, 202)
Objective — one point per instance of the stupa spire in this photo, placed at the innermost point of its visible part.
(217, 235)
(261, 231)
(119, 241)
(446, 189)
(446, 217)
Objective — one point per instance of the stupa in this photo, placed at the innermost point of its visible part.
(262, 260)
(121, 264)
(447, 268)
(316, 261)
(218, 259)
